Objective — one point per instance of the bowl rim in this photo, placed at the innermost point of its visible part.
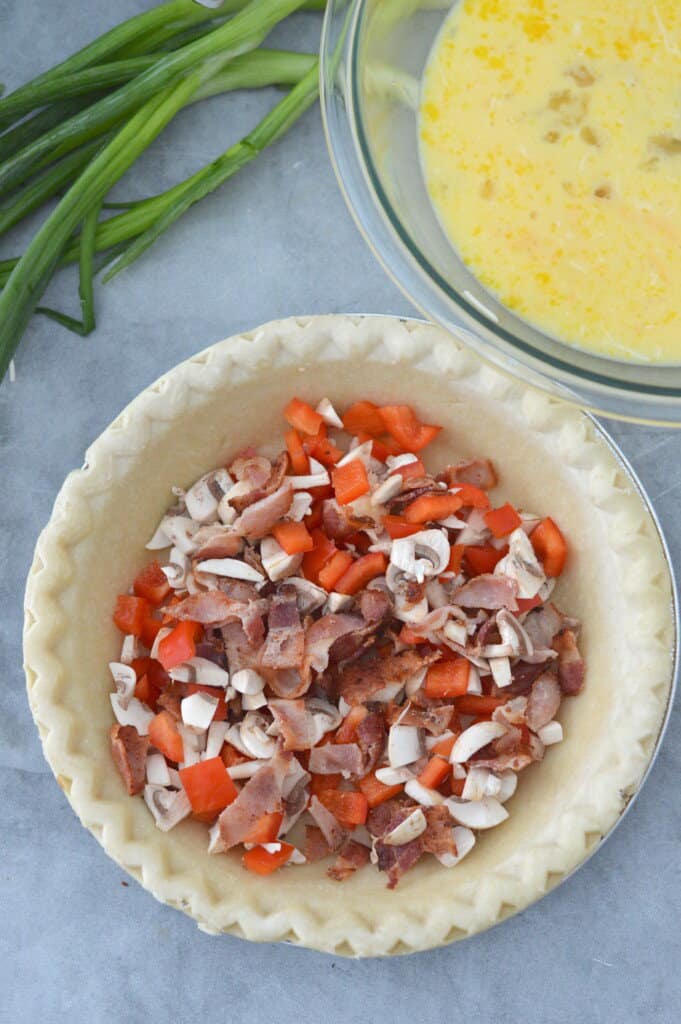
(402, 259)
(205, 370)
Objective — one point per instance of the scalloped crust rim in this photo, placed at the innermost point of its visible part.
(551, 458)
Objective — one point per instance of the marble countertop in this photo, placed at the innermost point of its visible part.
(81, 942)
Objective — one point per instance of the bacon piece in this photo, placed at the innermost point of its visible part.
(517, 749)
(543, 701)
(371, 736)
(296, 723)
(434, 720)
(570, 663)
(241, 653)
(322, 635)
(543, 624)
(412, 490)
(251, 468)
(257, 520)
(351, 857)
(333, 832)
(129, 752)
(479, 472)
(216, 541)
(285, 644)
(358, 682)
(488, 591)
(287, 683)
(315, 847)
(394, 860)
(171, 699)
(214, 608)
(337, 524)
(524, 674)
(262, 794)
(264, 481)
(336, 757)
(374, 605)
(438, 837)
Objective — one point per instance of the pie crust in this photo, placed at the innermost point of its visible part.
(552, 459)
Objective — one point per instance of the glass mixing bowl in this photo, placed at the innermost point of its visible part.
(373, 54)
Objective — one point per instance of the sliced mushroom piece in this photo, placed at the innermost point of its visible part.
(168, 807)
(405, 745)
(317, 477)
(474, 682)
(521, 564)
(245, 770)
(276, 563)
(329, 414)
(157, 771)
(415, 682)
(215, 739)
(253, 701)
(125, 679)
(473, 739)
(180, 531)
(509, 783)
(131, 648)
(394, 776)
(337, 602)
(193, 744)
(550, 733)
(464, 840)
(394, 462)
(480, 782)
(177, 568)
(198, 710)
(422, 555)
(326, 717)
(407, 830)
(201, 502)
(501, 672)
(300, 506)
(248, 681)
(387, 490)
(134, 713)
(200, 670)
(456, 632)
(514, 634)
(422, 794)
(253, 734)
(226, 512)
(162, 633)
(360, 451)
(234, 568)
(477, 814)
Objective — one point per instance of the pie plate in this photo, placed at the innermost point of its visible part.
(551, 458)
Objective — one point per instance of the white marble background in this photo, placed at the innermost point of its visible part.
(76, 944)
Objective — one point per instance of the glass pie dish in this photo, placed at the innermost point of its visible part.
(550, 457)
(373, 56)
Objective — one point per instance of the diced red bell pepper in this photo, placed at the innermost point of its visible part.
(179, 646)
(363, 418)
(410, 470)
(361, 572)
(293, 537)
(152, 584)
(302, 417)
(315, 560)
(130, 614)
(376, 792)
(455, 558)
(432, 507)
(334, 569)
(164, 735)
(502, 521)
(298, 457)
(261, 862)
(478, 704)
(482, 558)
(350, 481)
(550, 547)
(447, 679)
(402, 423)
(266, 828)
(348, 807)
(397, 527)
(472, 496)
(208, 786)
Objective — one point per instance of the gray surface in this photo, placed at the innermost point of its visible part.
(76, 944)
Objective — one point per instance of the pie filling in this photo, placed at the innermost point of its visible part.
(340, 653)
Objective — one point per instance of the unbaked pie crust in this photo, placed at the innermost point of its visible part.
(552, 459)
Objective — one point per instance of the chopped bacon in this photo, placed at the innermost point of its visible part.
(256, 521)
(479, 472)
(375, 606)
(434, 720)
(251, 468)
(358, 682)
(543, 701)
(333, 832)
(394, 860)
(412, 490)
(296, 723)
(215, 608)
(216, 541)
(524, 674)
(285, 643)
(241, 653)
(322, 635)
(570, 663)
(351, 857)
(371, 736)
(336, 757)
(438, 837)
(263, 480)
(129, 752)
(171, 700)
(337, 524)
(315, 847)
(488, 591)
(261, 794)
(287, 683)
(543, 624)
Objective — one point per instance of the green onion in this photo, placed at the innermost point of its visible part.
(244, 32)
(86, 285)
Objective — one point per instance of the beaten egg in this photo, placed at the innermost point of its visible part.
(550, 135)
